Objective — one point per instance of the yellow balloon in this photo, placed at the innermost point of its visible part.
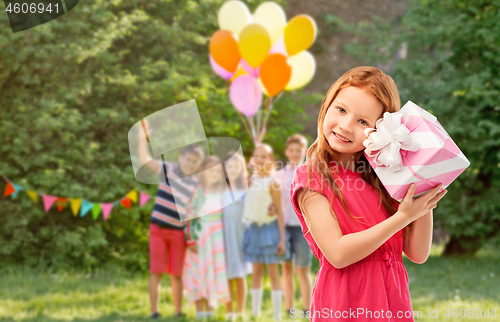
(239, 72)
(272, 17)
(300, 34)
(254, 44)
(234, 16)
(303, 69)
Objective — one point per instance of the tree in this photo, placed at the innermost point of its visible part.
(451, 69)
(71, 90)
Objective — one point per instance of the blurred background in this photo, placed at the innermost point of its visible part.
(72, 88)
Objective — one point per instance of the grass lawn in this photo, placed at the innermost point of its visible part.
(109, 295)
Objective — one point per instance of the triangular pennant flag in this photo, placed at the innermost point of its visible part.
(106, 209)
(125, 202)
(61, 203)
(96, 210)
(48, 201)
(144, 197)
(9, 189)
(75, 205)
(17, 190)
(86, 206)
(33, 195)
(132, 195)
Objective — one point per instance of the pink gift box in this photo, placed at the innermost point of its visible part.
(410, 146)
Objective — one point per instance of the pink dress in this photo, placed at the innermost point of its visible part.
(372, 289)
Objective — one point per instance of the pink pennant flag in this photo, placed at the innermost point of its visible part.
(48, 201)
(106, 209)
(143, 198)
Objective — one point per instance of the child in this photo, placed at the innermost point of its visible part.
(264, 240)
(205, 278)
(355, 229)
(296, 146)
(166, 230)
(234, 230)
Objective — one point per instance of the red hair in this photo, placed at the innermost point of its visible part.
(320, 154)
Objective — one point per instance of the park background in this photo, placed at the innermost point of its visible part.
(71, 89)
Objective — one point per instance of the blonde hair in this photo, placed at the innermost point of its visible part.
(320, 154)
(298, 139)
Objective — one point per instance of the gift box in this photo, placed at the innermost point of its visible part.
(410, 146)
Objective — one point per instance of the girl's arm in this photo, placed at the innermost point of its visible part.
(276, 195)
(344, 250)
(417, 243)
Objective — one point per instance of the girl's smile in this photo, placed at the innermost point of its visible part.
(342, 138)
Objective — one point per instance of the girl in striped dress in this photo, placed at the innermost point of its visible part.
(205, 278)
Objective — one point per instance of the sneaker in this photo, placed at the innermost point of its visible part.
(155, 315)
(230, 316)
(180, 315)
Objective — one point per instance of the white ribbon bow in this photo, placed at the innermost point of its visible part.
(390, 136)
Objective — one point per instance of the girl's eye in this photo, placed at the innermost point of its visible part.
(363, 122)
(340, 109)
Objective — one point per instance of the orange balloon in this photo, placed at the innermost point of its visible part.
(224, 50)
(275, 73)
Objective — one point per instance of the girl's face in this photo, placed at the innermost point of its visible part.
(213, 175)
(352, 111)
(261, 160)
(233, 169)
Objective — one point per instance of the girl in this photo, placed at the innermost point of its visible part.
(234, 230)
(264, 240)
(205, 267)
(355, 229)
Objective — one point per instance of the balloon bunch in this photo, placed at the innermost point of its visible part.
(261, 54)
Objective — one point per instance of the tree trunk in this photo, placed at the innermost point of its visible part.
(463, 246)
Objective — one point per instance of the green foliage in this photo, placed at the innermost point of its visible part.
(71, 90)
(451, 69)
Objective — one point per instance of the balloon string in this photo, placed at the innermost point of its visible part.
(245, 124)
(252, 126)
(259, 119)
(269, 106)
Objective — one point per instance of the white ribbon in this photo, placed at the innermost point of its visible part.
(391, 135)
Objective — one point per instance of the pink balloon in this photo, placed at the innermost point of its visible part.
(221, 71)
(279, 47)
(245, 95)
(254, 72)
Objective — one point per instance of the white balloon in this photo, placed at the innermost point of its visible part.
(234, 16)
(303, 69)
(272, 17)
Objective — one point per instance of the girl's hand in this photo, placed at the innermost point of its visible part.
(193, 248)
(281, 249)
(416, 208)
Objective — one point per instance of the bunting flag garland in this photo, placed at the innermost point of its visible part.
(144, 197)
(86, 206)
(48, 201)
(78, 205)
(106, 210)
(17, 188)
(61, 203)
(9, 189)
(132, 195)
(33, 195)
(126, 202)
(96, 210)
(75, 205)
